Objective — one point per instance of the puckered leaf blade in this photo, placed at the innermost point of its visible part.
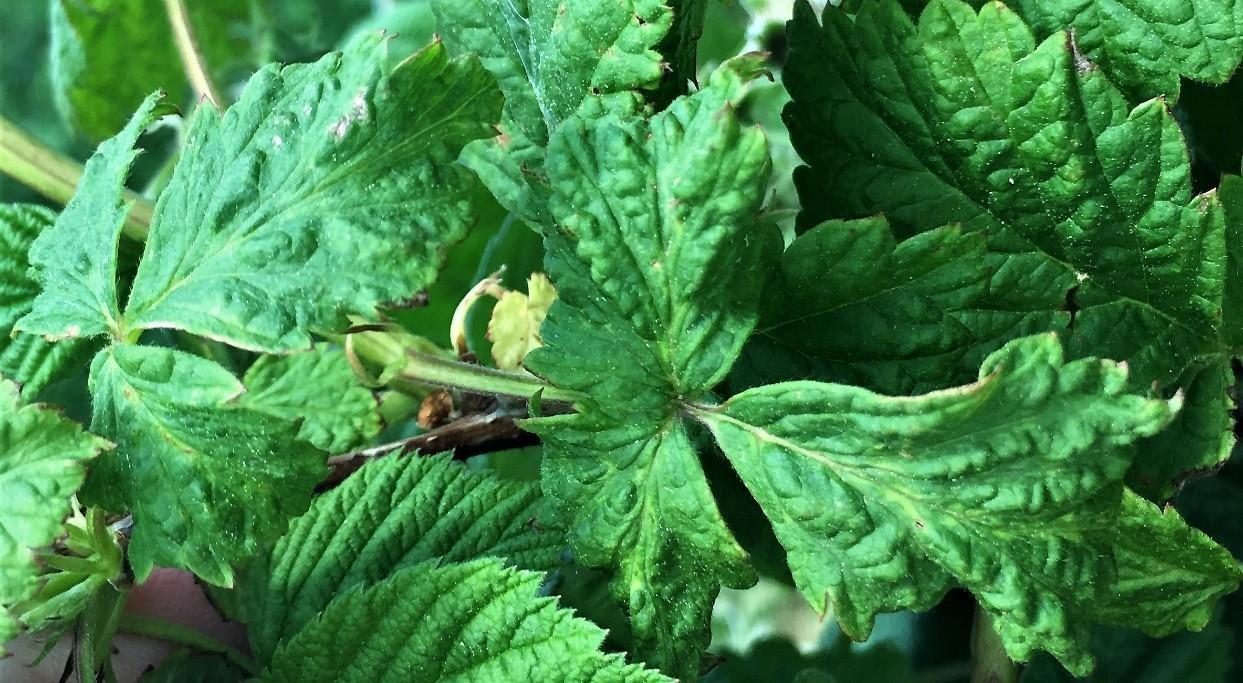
(330, 190)
(967, 120)
(1010, 487)
(473, 621)
(550, 55)
(1197, 442)
(393, 514)
(75, 261)
(320, 389)
(657, 255)
(1147, 45)
(208, 482)
(26, 358)
(42, 465)
(828, 314)
(634, 496)
(1169, 574)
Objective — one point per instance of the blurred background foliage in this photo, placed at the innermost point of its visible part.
(767, 633)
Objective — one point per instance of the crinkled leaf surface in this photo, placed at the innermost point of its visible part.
(394, 513)
(327, 189)
(75, 261)
(478, 621)
(108, 55)
(1010, 487)
(963, 118)
(319, 388)
(1147, 45)
(25, 358)
(1197, 442)
(550, 55)
(42, 465)
(842, 290)
(207, 481)
(657, 257)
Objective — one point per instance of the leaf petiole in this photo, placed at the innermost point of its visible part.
(56, 176)
(404, 365)
(150, 627)
(191, 57)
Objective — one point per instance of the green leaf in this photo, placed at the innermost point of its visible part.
(25, 91)
(1168, 574)
(657, 256)
(108, 55)
(42, 465)
(207, 481)
(680, 48)
(962, 118)
(330, 190)
(1232, 199)
(1010, 487)
(1199, 440)
(78, 574)
(634, 496)
(1128, 656)
(26, 358)
(475, 621)
(75, 261)
(306, 29)
(841, 290)
(549, 56)
(184, 667)
(395, 513)
(319, 388)
(412, 24)
(1146, 45)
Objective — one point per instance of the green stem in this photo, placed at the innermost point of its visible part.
(989, 661)
(150, 627)
(191, 58)
(387, 351)
(56, 176)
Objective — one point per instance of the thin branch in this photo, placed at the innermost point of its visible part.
(471, 435)
(191, 56)
(56, 176)
(150, 627)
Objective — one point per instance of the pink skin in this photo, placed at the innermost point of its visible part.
(170, 595)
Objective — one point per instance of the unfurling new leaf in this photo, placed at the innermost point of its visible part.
(42, 465)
